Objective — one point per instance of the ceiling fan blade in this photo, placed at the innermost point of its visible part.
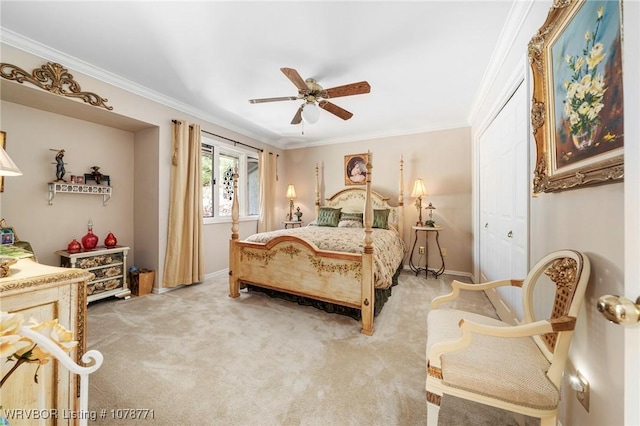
(295, 78)
(282, 98)
(335, 110)
(298, 117)
(349, 89)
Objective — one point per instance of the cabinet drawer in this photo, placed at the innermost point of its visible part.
(100, 286)
(107, 272)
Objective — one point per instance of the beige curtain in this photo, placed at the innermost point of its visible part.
(184, 263)
(268, 163)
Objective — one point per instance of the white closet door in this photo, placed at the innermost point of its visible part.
(504, 197)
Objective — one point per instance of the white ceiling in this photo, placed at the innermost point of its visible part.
(424, 60)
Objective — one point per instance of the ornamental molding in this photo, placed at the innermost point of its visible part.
(340, 268)
(53, 78)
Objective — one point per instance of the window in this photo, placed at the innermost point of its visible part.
(218, 164)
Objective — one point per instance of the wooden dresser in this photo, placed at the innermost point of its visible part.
(44, 292)
(108, 266)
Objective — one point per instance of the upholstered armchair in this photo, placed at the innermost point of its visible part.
(513, 367)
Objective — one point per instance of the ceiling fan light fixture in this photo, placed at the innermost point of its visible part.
(310, 113)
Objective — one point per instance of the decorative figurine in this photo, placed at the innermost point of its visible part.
(97, 176)
(60, 171)
(298, 214)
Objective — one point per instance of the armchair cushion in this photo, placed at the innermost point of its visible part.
(509, 369)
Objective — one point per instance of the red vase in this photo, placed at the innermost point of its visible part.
(74, 246)
(90, 241)
(111, 240)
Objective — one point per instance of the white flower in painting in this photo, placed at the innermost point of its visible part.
(586, 87)
(596, 55)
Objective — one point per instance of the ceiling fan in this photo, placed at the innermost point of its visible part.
(315, 96)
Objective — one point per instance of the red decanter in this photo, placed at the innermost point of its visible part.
(90, 241)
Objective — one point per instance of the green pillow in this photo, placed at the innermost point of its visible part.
(328, 216)
(381, 219)
(351, 216)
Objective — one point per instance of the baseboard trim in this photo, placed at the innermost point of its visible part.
(222, 272)
(448, 272)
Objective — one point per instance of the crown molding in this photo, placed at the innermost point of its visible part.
(18, 41)
(515, 20)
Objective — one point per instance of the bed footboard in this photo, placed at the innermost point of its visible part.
(294, 265)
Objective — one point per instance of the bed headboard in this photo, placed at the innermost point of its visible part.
(352, 200)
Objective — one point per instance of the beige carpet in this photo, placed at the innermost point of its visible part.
(196, 357)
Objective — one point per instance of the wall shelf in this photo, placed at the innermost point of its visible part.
(74, 188)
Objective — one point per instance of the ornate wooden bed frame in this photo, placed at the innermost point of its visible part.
(293, 265)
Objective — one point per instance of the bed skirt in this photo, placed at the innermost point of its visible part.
(381, 297)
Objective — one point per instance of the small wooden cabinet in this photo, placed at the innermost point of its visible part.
(44, 293)
(108, 266)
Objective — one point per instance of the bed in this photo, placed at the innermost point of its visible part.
(341, 265)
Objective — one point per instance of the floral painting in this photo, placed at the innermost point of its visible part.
(587, 74)
(577, 109)
(355, 169)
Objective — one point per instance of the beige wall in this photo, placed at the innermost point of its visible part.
(141, 157)
(31, 134)
(589, 219)
(442, 158)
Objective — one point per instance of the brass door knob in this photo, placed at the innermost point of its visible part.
(619, 309)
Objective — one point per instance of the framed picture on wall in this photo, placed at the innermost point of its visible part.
(577, 107)
(355, 169)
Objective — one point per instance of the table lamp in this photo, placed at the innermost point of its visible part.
(7, 166)
(291, 195)
(418, 192)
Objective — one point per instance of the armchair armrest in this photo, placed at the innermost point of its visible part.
(565, 323)
(457, 286)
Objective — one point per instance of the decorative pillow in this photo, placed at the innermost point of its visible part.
(350, 224)
(381, 219)
(351, 216)
(328, 216)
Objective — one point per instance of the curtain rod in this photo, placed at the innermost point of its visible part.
(223, 137)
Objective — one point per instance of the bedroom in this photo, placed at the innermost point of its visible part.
(553, 219)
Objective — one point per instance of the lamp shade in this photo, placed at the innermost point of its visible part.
(291, 192)
(7, 166)
(418, 189)
(310, 113)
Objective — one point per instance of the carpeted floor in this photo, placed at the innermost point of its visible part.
(197, 357)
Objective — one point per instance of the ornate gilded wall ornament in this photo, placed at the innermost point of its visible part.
(53, 78)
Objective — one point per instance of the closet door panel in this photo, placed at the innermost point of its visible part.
(504, 198)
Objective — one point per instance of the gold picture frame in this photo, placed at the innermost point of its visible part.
(3, 144)
(577, 106)
(355, 169)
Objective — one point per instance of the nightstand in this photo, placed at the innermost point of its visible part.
(292, 223)
(417, 268)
